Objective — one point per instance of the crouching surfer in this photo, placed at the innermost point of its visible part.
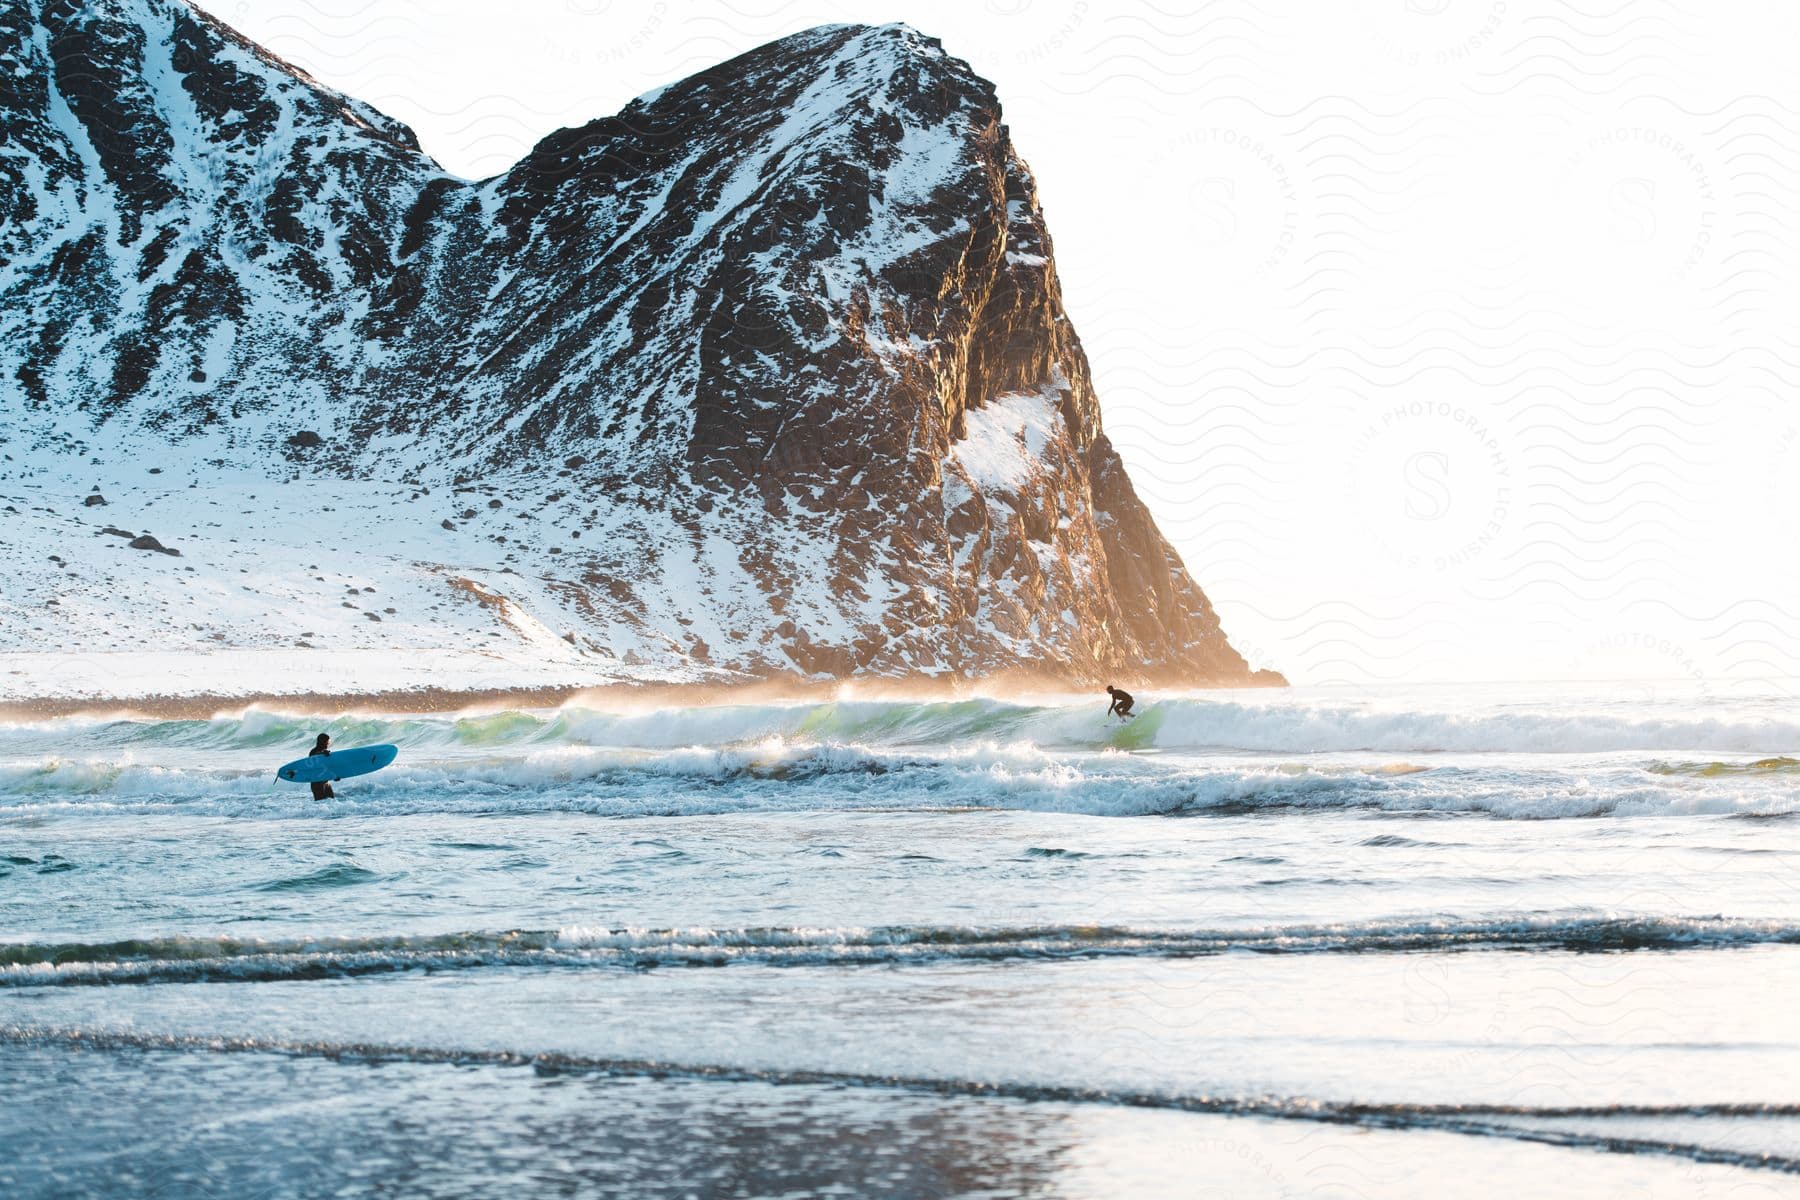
(321, 790)
(1121, 703)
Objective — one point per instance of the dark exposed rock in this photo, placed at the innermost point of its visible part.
(146, 542)
(94, 500)
(790, 329)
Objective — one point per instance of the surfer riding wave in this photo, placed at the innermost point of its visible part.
(1121, 702)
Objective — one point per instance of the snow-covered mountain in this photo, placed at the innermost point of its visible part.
(767, 374)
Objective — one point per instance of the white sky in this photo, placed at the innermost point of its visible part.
(1447, 339)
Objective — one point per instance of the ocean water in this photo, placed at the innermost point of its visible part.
(1426, 941)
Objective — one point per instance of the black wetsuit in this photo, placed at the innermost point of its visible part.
(321, 790)
(1121, 703)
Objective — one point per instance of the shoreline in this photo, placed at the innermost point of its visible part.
(202, 707)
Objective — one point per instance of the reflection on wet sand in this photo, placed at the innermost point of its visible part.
(126, 1122)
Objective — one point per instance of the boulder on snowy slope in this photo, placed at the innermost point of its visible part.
(146, 542)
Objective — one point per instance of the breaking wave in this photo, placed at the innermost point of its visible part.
(1272, 723)
(1761, 768)
(777, 775)
(1184, 756)
(194, 959)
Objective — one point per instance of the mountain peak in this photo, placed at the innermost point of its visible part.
(769, 372)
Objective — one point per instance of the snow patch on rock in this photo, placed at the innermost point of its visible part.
(1006, 438)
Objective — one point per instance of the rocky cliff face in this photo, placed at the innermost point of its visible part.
(767, 373)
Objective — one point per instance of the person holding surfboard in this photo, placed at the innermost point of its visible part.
(323, 766)
(1121, 703)
(320, 789)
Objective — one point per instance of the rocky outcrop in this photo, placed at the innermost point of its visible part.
(778, 353)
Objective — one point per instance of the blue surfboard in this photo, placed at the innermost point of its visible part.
(339, 764)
